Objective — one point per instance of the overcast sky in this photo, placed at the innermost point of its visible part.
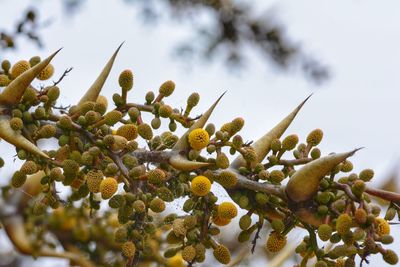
(359, 40)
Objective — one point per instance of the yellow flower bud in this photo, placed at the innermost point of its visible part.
(4, 80)
(189, 253)
(227, 179)
(315, 137)
(222, 254)
(126, 80)
(200, 186)
(129, 131)
(167, 88)
(218, 220)
(275, 242)
(343, 223)
(382, 226)
(93, 180)
(108, 187)
(46, 73)
(227, 210)
(157, 205)
(198, 139)
(128, 249)
(19, 67)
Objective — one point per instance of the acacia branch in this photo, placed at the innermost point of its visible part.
(383, 194)
(276, 190)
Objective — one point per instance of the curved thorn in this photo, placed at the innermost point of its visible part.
(14, 91)
(182, 144)
(17, 139)
(183, 164)
(304, 183)
(93, 92)
(262, 145)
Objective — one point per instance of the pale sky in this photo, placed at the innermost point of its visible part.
(359, 40)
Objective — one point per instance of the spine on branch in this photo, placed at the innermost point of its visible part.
(263, 145)
(303, 185)
(14, 91)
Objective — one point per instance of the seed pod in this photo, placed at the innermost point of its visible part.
(311, 175)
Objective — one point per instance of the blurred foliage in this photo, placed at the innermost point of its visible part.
(222, 29)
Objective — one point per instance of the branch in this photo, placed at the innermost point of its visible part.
(347, 189)
(63, 76)
(383, 194)
(276, 190)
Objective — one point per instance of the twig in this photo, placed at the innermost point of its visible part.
(257, 236)
(63, 76)
(347, 189)
(383, 194)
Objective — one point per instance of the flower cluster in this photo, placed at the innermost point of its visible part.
(109, 153)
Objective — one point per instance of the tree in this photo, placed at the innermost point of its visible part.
(233, 26)
(310, 192)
